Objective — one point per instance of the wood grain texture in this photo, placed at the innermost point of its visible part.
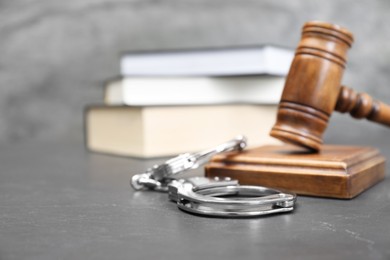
(313, 91)
(336, 172)
(312, 85)
(82, 41)
(362, 105)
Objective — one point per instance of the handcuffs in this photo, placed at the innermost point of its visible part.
(221, 197)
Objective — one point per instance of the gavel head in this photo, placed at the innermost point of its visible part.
(312, 85)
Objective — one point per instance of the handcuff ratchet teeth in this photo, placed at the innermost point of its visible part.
(212, 197)
(159, 176)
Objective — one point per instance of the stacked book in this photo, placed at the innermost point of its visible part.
(166, 103)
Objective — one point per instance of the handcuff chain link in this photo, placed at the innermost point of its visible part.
(159, 176)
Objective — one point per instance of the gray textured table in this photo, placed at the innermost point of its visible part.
(58, 201)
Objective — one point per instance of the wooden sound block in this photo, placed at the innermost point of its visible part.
(336, 172)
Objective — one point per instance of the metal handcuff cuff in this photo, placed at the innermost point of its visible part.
(212, 197)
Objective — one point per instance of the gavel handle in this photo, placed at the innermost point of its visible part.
(362, 105)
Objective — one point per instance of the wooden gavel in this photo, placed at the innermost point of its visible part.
(313, 90)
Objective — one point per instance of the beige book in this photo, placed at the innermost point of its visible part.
(170, 130)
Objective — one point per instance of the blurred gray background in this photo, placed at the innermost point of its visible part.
(55, 55)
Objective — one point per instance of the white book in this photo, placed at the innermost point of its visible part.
(265, 59)
(157, 91)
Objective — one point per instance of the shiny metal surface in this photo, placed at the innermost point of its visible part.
(204, 196)
(159, 176)
(208, 199)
